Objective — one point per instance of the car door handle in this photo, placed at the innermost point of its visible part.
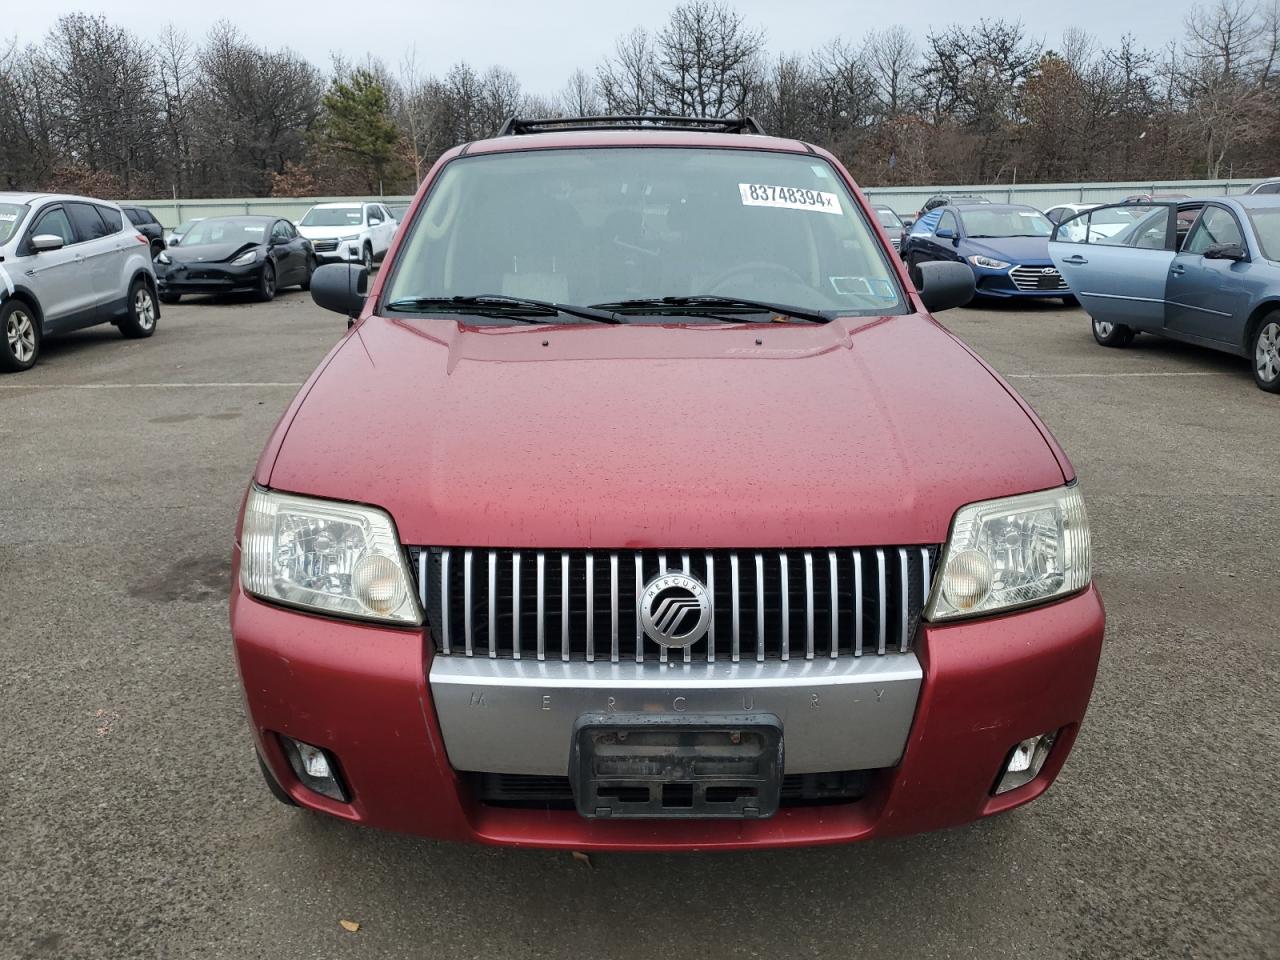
(1177, 269)
(1075, 260)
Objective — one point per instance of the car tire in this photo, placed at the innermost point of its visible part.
(1111, 334)
(140, 321)
(273, 785)
(367, 258)
(170, 298)
(19, 336)
(266, 284)
(1266, 354)
(306, 277)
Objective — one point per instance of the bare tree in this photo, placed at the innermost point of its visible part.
(626, 79)
(708, 61)
(890, 57)
(580, 98)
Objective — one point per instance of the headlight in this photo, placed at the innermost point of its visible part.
(978, 260)
(1013, 552)
(163, 258)
(333, 557)
(351, 239)
(246, 258)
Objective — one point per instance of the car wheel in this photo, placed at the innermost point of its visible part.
(273, 785)
(1266, 354)
(169, 298)
(1112, 334)
(368, 258)
(19, 337)
(306, 277)
(267, 283)
(140, 322)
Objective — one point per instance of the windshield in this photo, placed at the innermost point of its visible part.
(1006, 223)
(1266, 224)
(888, 218)
(591, 226)
(11, 215)
(235, 230)
(332, 217)
(185, 227)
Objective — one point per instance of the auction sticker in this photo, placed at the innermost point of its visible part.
(789, 198)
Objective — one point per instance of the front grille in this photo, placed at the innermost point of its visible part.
(1037, 278)
(556, 793)
(581, 605)
(324, 246)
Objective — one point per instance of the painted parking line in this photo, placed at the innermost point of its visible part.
(1107, 376)
(233, 385)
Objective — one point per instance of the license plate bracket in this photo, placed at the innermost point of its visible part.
(688, 767)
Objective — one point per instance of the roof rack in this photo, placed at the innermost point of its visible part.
(515, 126)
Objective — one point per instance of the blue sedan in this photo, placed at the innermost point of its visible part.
(1203, 271)
(1005, 244)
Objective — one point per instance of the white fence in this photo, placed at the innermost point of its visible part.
(905, 200)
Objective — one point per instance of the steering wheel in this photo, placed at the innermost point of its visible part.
(722, 279)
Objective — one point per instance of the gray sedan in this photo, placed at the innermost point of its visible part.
(1203, 271)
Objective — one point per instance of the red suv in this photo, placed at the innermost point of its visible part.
(645, 506)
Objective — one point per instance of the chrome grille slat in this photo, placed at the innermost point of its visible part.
(466, 595)
(785, 604)
(1028, 278)
(591, 607)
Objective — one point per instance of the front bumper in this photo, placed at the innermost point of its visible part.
(328, 251)
(210, 278)
(362, 692)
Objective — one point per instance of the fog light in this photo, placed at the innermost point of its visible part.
(1025, 761)
(314, 768)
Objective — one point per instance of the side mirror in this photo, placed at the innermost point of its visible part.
(46, 242)
(1226, 251)
(340, 287)
(908, 223)
(945, 233)
(173, 242)
(943, 284)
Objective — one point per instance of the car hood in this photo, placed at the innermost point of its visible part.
(1012, 249)
(208, 252)
(331, 233)
(857, 432)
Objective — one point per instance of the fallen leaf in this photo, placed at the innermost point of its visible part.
(582, 857)
(349, 925)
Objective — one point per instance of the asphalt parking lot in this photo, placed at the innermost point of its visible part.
(133, 821)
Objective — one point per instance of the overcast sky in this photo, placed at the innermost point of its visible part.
(543, 42)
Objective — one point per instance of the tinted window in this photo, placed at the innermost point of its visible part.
(111, 218)
(1216, 225)
(1269, 187)
(603, 225)
(54, 223)
(88, 223)
(135, 216)
(280, 232)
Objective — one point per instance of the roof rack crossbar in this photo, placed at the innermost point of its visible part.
(516, 126)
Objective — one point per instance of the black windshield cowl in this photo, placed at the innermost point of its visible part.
(714, 304)
(495, 304)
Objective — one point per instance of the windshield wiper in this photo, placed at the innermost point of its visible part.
(503, 305)
(709, 304)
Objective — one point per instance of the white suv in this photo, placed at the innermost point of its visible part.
(68, 263)
(351, 232)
